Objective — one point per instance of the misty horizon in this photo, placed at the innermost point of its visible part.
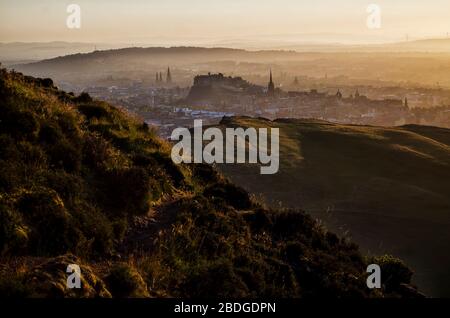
(265, 23)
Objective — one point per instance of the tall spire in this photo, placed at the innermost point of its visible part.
(271, 86)
(169, 76)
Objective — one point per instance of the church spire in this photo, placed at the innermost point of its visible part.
(271, 86)
(169, 76)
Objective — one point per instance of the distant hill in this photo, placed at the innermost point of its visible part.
(388, 187)
(391, 66)
(23, 52)
(141, 58)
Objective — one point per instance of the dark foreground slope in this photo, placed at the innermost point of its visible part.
(83, 183)
(388, 187)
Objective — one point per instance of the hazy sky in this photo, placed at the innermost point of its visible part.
(148, 21)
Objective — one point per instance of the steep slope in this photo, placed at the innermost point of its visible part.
(82, 182)
(388, 187)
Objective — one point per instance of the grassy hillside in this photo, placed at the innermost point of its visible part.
(388, 187)
(82, 182)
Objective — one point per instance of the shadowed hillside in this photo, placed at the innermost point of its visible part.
(84, 183)
(387, 187)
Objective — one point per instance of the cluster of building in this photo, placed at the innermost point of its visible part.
(233, 94)
(212, 95)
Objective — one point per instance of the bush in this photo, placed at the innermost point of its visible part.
(126, 191)
(215, 280)
(172, 169)
(289, 224)
(83, 98)
(68, 186)
(13, 234)
(14, 286)
(69, 123)
(50, 133)
(124, 281)
(65, 155)
(97, 230)
(394, 272)
(52, 228)
(20, 124)
(231, 194)
(93, 111)
(96, 151)
(205, 173)
(46, 82)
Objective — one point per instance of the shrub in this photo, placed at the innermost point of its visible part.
(289, 224)
(126, 191)
(52, 228)
(65, 155)
(83, 98)
(93, 111)
(205, 173)
(14, 286)
(46, 82)
(231, 194)
(50, 133)
(125, 281)
(68, 123)
(215, 280)
(13, 234)
(97, 230)
(159, 181)
(68, 186)
(96, 151)
(394, 272)
(172, 169)
(20, 124)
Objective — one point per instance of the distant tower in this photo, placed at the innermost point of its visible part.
(295, 83)
(357, 93)
(160, 77)
(406, 102)
(271, 86)
(157, 77)
(168, 76)
(339, 94)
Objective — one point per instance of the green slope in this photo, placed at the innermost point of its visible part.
(83, 182)
(388, 187)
